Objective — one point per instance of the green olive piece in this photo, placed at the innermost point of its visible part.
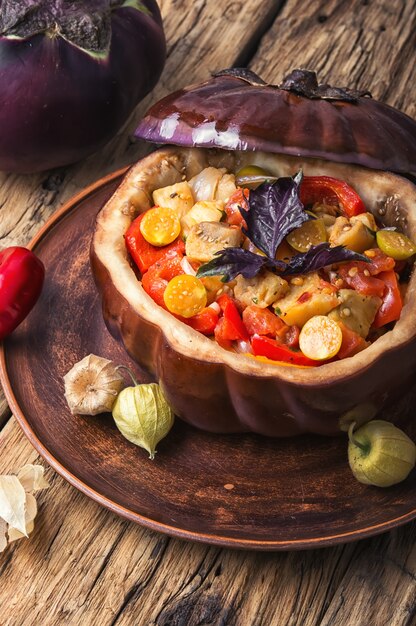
(380, 454)
(395, 244)
(252, 175)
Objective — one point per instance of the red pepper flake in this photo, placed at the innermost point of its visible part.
(304, 297)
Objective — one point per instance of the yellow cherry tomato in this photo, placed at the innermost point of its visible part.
(320, 338)
(395, 244)
(311, 233)
(185, 295)
(160, 226)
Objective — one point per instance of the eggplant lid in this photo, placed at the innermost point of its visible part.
(237, 110)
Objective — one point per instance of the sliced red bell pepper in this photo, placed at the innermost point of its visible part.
(238, 198)
(352, 342)
(204, 322)
(331, 191)
(222, 333)
(155, 280)
(142, 252)
(392, 305)
(277, 351)
(233, 327)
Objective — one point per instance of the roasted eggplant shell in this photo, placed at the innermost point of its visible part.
(237, 110)
(221, 391)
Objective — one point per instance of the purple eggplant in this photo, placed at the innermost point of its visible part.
(237, 110)
(71, 72)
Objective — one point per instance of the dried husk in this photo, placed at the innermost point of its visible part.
(380, 454)
(31, 510)
(18, 507)
(12, 503)
(31, 478)
(92, 386)
(3, 535)
(143, 416)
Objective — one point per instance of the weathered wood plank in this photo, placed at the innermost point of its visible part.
(85, 565)
(359, 43)
(4, 409)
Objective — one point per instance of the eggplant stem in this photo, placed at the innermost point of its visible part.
(352, 438)
(130, 373)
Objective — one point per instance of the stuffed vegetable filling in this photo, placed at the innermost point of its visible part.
(295, 270)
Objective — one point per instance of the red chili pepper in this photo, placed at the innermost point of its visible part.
(276, 351)
(233, 327)
(391, 307)
(21, 280)
(331, 191)
(142, 252)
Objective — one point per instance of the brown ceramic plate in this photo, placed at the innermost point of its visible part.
(241, 491)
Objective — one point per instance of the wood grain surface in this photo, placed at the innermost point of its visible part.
(85, 566)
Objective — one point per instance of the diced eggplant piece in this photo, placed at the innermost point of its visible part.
(203, 211)
(308, 296)
(207, 238)
(353, 235)
(178, 197)
(356, 311)
(262, 290)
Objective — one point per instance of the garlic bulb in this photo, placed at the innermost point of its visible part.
(380, 454)
(92, 386)
(143, 416)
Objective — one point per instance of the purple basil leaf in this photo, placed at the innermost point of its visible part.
(233, 261)
(320, 256)
(274, 211)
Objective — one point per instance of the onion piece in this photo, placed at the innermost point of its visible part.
(187, 267)
(215, 307)
(243, 347)
(205, 184)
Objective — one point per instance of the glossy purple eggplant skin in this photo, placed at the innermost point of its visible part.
(234, 113)
(59, 103)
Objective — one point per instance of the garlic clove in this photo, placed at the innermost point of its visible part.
(92, 386)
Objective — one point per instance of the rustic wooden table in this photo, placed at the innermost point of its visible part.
(85, 566)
